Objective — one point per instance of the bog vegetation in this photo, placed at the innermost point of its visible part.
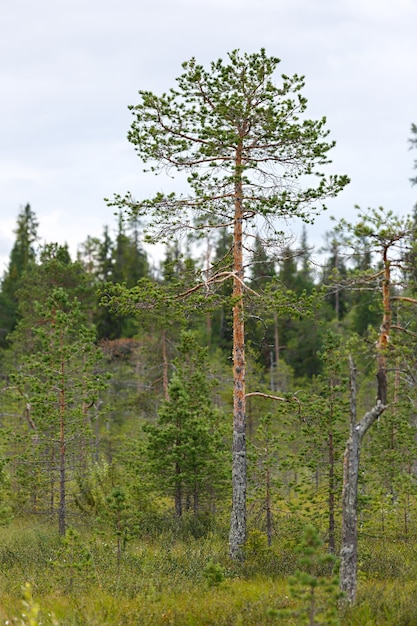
(226, 435)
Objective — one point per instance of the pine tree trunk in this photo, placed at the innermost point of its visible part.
(178, 492)
(164, 365)
(276, 338)
(332, 480)
(196, 499)
(268, 507)
(237, 535)
(62, 460)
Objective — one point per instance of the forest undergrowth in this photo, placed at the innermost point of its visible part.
(178, 578)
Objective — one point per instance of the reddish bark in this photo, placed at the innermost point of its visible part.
(237, 535)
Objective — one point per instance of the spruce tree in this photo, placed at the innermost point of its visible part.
(22, 257)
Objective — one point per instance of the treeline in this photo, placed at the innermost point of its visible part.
(102, 392)
(319, 282)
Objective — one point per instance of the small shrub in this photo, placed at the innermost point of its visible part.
(214, 574)
(313, 586)
(74, 561)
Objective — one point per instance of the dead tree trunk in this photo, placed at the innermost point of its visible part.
(385, 329)
(349, 549)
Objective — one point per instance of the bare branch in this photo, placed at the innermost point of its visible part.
(404, 299)
(219, 277)
(272, 397)
(404, 330)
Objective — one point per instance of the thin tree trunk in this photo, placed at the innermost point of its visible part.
(384, 330)
(165, 365)
(178, 493)
(332, 539)
(237, 535)
(208, 316)
(275, 362)
(196, 500)
(62, 457)
(276, 337)
(349, 550)
(268, 507)
(52, 483)
(119, 540)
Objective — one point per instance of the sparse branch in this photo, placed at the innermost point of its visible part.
(28, 407)
(404, 299)
(403, 330)
(219, 277)
(269, 396)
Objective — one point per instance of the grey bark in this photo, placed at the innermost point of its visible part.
(238, 515)
(237, 535)
(349, 548)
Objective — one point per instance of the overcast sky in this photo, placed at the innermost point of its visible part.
(69, 69)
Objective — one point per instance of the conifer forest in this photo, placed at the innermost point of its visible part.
(224, 433)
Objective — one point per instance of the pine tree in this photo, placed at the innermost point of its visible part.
(58, 382)
(186, 447)
(244, 144)
(334, 275)
(324, 431)
(314, 585)
(53, 270)
(263, 484)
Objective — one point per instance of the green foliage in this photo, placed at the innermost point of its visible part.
(120, 518)
(121, 261)
(214, 574)
(22, 257)
(264, 479)
(313, 585)
(163, 580)
(74, 565)
(54, 270)
(6, 507)
(157, 434)
(31, 615)
(57, 383)
(201, 122)
(325, 430)
(185, 447)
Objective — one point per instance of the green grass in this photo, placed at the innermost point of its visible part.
(181, 581)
